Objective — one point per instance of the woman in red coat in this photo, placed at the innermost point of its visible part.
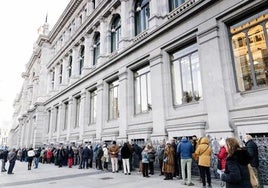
(222, 155)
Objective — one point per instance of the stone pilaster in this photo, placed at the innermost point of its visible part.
(214, 94)
(82, 114)
(158, 104)
(127, 26)
(103, 40)
(100, 113)
(122, 93)
(70, 118)
(87, 55)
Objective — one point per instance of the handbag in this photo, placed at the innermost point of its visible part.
(165, 160)
(253, 178)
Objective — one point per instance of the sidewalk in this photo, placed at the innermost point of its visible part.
(49, 175)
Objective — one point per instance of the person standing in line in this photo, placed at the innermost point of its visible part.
(203, 152)
(145, 162)
(151, 155)
(37, 157)
(105, 157)
(236, 174)
(160, 153)
(252, 150)
(12, 157)
(113, 151)
(30, 156)
(125, 154)
(177, 161)
(222, 155)
(185, 149)
(169, 161)
(4, 159)
(70, 157)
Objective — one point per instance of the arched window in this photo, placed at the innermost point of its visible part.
(142, 15)
(115, 33)
(70, 66)
(96, 46)
(174, 4)
(81, 58)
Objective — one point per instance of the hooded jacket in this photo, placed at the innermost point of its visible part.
(203, 152)
(185, 149)
(236, 173)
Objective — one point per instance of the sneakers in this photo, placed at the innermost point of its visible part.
(190, 184)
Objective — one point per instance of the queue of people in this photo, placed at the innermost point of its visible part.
(175, 159)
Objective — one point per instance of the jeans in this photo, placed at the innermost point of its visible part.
(188, 164)
(36, 162)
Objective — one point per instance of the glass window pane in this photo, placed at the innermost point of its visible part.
(196, 76)
(186, 77)
(177, 89)
(137, 95)
(258, 50)
(242, 64)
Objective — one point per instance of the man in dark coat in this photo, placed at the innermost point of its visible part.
(4, 159)
(12, 157)
(253, 153)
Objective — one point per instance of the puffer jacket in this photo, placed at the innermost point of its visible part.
(203, 152)
(236, 174)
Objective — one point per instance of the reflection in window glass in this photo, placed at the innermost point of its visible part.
(175, 3)
(142, 15)
(249, 46)
(96, 51)
(186, 75)
(143, 102)
(81, 59)
(113, 100)
(116, 33)
(66, 109)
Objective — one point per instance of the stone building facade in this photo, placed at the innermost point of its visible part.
(142, 70)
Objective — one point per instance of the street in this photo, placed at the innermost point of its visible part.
(49, 175)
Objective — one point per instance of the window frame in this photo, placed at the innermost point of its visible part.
(142, 16)
(249, 82)
(138, 79)
(180, 79)
(113, 107)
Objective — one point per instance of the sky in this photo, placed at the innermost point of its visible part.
(20, 20)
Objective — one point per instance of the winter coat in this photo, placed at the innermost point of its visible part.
(12, 156)
(185, 149)
(169, 166)
(113, 151)
(236, 174)
(125, 152)
(203, 152)
(144, 154)
(252, 149)
(222, 156)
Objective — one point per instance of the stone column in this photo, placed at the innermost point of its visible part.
(87, 55)
(64, 71)
(100, 113)
(60, 120)
(75, 64)
(157, 90)
(157, 13)
(82, 114)
(70, 118)
(122, 95)
(103, 38)
(57, 78)
(90, 7)
(215, 98)
(126, 27)
(50, 125)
